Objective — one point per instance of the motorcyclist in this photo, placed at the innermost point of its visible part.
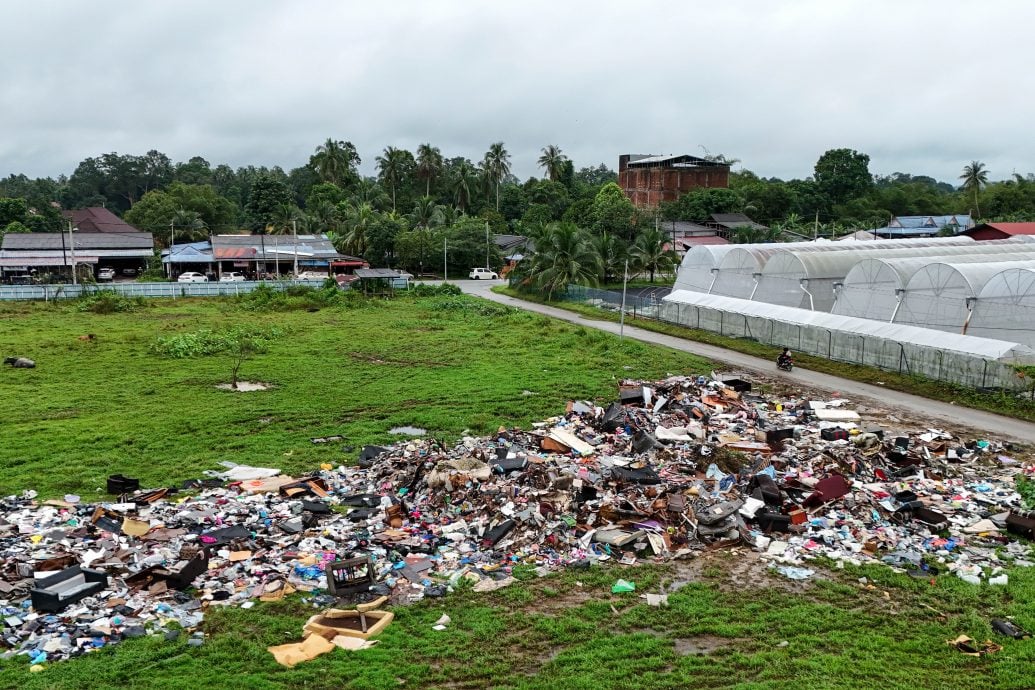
(784, 360)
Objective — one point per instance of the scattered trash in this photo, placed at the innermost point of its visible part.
(1010, 629)
(793, 573)
(623, 587)
(443, 621)
(970, 648)
(657, 600)
(665, 470)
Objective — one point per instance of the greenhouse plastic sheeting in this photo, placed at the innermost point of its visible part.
(806, 279)
(873, 287)
(941, 295)
(737, 272)
(1005, 307)
(695, 271)
(962, 359)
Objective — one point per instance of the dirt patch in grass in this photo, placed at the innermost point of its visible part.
(245, 386)
(701, 644)
(734, 570)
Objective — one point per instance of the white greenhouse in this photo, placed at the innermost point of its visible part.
(806, 279)
(961, 359)
(873, 288)
(1005, 307)
(739, 271)
(695, 271)
(941, 295)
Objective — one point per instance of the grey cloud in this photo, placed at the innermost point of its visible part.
(774, 84)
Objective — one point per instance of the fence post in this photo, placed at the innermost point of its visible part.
(984, 373)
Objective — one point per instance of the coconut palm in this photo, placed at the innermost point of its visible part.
(189, 224)
(285, 217)
(429, 165)
(552, 161)
(648, 253)
(426, 213)
(334, 161)
(391, 165)
(358, 221)
(324, 217)
(464, 184)
(613, 253)
(369, 192)
(564, 255)
(975, 176)
(496, 166)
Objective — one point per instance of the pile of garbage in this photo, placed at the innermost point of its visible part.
(667, 470)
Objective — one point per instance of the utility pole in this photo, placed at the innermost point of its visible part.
(172, 241)
(815, 228)
(71, 248)
(486, 245)
(445, 260)
(294, 234)
(625, 283)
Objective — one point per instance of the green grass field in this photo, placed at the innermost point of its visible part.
(447, 364)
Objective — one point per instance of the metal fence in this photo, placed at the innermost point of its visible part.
(853, 348)
(173, 290)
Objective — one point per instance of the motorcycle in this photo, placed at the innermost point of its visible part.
(785, 364)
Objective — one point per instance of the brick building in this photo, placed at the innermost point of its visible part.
(649, 180)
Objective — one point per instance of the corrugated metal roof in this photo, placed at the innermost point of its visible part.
(82, 240)
(1009, 228)
(46, 260)
(97, 219)
(376, 273)
(674, 161)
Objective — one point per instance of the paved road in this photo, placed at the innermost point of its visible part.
(981, 422)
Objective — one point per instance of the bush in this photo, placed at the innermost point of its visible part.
(108, 302)
(463, 304)
(206, 342)
(425, 290)
(294, 297)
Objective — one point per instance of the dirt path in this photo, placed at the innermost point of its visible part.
(977, 422)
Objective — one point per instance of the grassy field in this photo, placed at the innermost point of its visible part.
(1000, 403)
(447, 364)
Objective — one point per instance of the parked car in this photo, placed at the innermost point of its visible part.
(312, 275)
(480, 273)
(192, 277)
(232, 277)
(106, 274)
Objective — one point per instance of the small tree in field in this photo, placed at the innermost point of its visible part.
(239, 343)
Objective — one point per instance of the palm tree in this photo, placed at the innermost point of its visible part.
(975, 176)
(358, 221)
(391, 166)
(465, 181)
(334, 160)
(649, 254)
(564, 255)
(613, 253)
(552, 161)
(426, 213)
(324, 217)
(496, 166)
(429, 165)
(369, 192)
(285, 216)
(189, 221)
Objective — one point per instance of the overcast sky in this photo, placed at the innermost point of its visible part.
(922, 87)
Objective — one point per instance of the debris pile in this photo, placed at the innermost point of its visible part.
(667, 470)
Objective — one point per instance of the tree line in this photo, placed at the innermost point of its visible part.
(422, 202)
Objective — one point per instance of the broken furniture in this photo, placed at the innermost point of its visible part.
(55, 593)
(350, 575)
